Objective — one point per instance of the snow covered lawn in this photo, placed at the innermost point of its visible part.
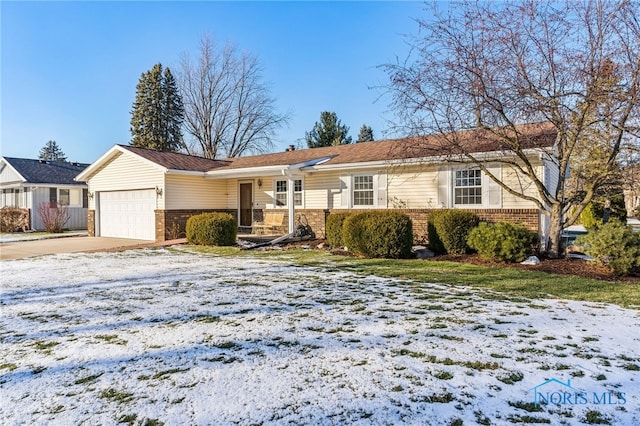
(181, 338)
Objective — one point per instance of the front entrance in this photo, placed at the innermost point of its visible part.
(246, 204)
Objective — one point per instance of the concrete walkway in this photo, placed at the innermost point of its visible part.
(22, 249)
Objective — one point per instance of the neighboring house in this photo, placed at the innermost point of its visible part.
(27, 183)
(141, 193)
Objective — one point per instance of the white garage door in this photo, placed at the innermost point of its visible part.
(128, 214)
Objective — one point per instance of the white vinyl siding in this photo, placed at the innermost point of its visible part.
(127, 172)
(194, 192)
(413, 189)
(322, 190)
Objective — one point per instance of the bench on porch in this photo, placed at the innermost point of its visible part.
(271, 222)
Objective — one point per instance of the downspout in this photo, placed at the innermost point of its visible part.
(290, 200)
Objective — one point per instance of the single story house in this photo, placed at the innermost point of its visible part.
(141, 193)
(27, 183)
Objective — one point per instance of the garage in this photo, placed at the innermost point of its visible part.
(128, 214)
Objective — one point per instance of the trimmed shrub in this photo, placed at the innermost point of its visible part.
(379, 234)
(333, 228)
(502, 241)
(212, 229)
(353, 232)
(448, 230)
(14, 219)
(614, 246)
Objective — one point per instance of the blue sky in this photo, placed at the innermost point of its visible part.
(69, 69)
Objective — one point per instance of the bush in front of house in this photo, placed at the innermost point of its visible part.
(333, 228)
(615, 246)
(212, 229)
(448, 230)
(389, 235)
(592, 216)
(54, 216)
(502, 241)
(13, 219)
(353, 232)
(379, 234)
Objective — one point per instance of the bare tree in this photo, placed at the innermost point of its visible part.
(495, 65)
(228, 108)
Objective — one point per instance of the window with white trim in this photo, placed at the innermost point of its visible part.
(281, 193)
(363, 190)
(467, 187)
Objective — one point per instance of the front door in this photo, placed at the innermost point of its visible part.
(246, 204)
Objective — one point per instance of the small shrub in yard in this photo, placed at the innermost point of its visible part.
(448, 230)
(54, 216)
(13, 219)
(502, 241)
(212, 229)
(381, 234)
(334, 228)
(353, 234)
(615, 246)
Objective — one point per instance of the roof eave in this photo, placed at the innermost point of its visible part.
(87, 173)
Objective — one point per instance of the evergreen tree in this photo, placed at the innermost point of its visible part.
(328, 132)
(158, 112)
(52, 152)
(365, 135)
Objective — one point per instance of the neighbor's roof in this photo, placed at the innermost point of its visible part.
(539, 135)
(46, 172)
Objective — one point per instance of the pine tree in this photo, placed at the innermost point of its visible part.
(328, 132)
(365, 135)
(52, 152)
(158, 112)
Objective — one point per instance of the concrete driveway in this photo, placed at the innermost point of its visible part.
(19, 250)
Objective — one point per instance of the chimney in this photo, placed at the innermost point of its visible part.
(291, 148)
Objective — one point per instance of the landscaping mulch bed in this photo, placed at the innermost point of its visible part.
(577, 267)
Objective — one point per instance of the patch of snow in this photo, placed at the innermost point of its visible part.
(33, 236)
(188, 338)
(531, 260)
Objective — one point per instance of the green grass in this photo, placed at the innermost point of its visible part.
(508, 281)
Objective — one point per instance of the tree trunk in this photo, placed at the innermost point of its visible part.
(555, 232)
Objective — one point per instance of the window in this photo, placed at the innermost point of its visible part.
(64, 197)
(53, 196)
(281, 192)
(468, 187)
(85, 198)
(363, 190)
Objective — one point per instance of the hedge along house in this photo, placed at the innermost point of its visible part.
(141, 193)
(27, 183)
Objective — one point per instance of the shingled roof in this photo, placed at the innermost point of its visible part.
(177, 161)
(540, 135)
(46, 172)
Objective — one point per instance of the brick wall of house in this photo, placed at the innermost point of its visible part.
(171, 224)
(91, 223)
